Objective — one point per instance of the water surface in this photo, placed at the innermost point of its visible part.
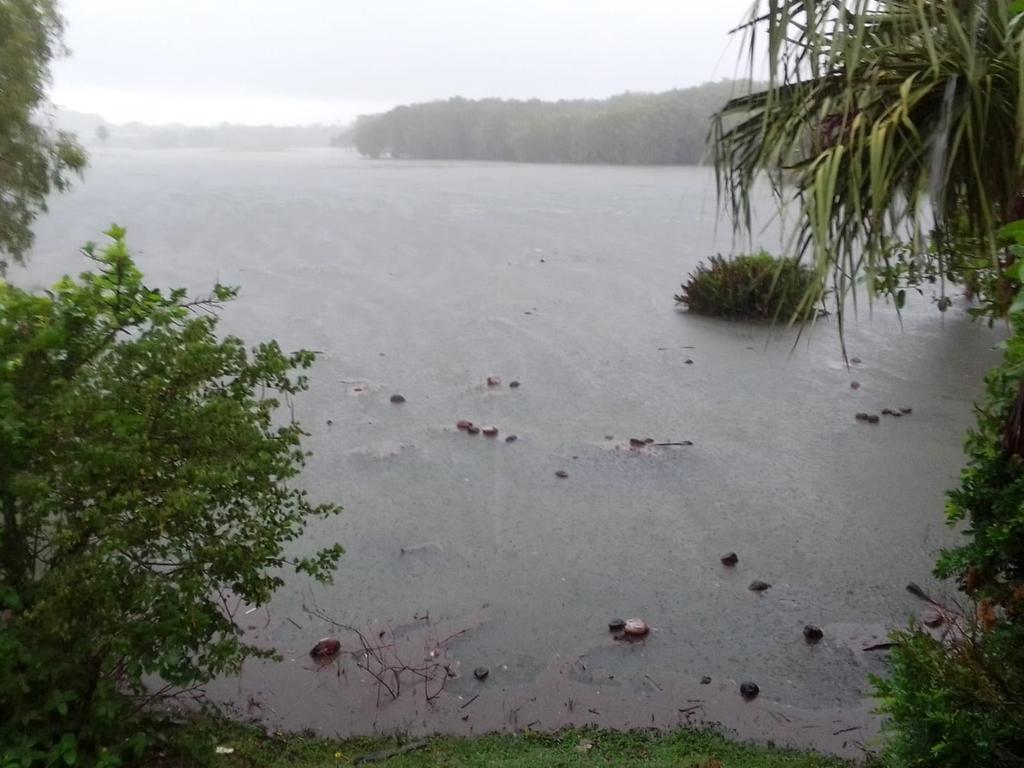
(426, 278)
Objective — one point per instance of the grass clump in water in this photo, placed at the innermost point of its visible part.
(750, 287)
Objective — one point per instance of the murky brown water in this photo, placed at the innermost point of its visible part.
(425, 279)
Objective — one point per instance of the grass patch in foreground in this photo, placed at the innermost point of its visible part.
(679, 749)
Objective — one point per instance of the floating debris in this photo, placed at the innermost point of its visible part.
(636, 442)
(493, 381)
(730, 559)
(855, 360)
(906, 410)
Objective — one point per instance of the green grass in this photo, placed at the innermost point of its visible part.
(680, 749)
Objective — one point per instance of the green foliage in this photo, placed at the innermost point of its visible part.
(961, 702)
(34, 159)
(634, 128)
(753, 287)
(954, 704)
(874, 110)
(145, 495)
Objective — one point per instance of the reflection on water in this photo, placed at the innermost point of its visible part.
(425, 279)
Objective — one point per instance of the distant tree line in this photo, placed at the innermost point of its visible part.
(631, 129)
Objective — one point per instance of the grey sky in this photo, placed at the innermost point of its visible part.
(268, 61)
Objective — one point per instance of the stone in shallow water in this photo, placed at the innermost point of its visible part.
(759, 586)
(812, 633)
(481, 673)
(636, 628)
(730, 559)
(326, 649)
(749, 690)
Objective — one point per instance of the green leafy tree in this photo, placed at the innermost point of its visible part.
(145, 493)
(33, 160)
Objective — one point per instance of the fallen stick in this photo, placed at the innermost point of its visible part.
(682, 444)
(879, 647)
(387, 754)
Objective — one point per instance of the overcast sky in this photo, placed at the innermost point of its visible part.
(302, 61)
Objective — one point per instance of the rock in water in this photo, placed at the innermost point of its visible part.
(759, 586)
(636, 628)
(730, 559)
(481, 673)
(326, 649)
(616, 625)
(812, 633)
(749, 690)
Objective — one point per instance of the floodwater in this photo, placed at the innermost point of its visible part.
(424, 279)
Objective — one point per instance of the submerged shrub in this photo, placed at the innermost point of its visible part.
(754, 287)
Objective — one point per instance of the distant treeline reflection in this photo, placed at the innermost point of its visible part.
(631, 129)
